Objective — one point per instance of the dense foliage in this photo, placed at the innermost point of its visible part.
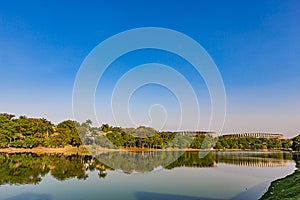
(252, 143)
(26, 132)
(296, 143)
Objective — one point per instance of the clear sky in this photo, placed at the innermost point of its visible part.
(255, 45)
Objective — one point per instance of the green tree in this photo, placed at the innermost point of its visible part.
(68, 130)
(105, 128)
(296, 143)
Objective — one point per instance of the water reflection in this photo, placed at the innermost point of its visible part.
(152, 195)
(31, 196)
(139, 162)
(254, 159)
(31, 168)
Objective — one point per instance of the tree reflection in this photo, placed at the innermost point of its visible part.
(30, 168)
(27, 168)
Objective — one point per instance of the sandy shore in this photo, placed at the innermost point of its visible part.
(68, 150)
(82, 150)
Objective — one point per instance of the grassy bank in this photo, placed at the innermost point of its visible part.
(287, 187)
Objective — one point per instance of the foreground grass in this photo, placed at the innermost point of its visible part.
(285, 188)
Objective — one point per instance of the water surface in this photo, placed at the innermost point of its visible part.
(142, 175)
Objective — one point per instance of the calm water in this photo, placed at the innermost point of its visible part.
(142, 176)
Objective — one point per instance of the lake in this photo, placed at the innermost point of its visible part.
(167, 175)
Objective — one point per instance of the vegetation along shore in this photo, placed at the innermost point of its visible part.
(29, 133)
(285, 188)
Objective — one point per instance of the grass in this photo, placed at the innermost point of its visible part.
(285, 188)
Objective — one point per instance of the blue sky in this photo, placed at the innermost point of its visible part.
(255, 45)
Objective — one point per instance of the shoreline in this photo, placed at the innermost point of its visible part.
(67, 150)
(284, 187)
(84, 150)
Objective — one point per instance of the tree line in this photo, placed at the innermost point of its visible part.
(24, 132)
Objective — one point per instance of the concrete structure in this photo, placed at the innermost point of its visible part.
(256, 135)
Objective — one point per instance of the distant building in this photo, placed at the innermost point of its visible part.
(212, 134)
(255, 135)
